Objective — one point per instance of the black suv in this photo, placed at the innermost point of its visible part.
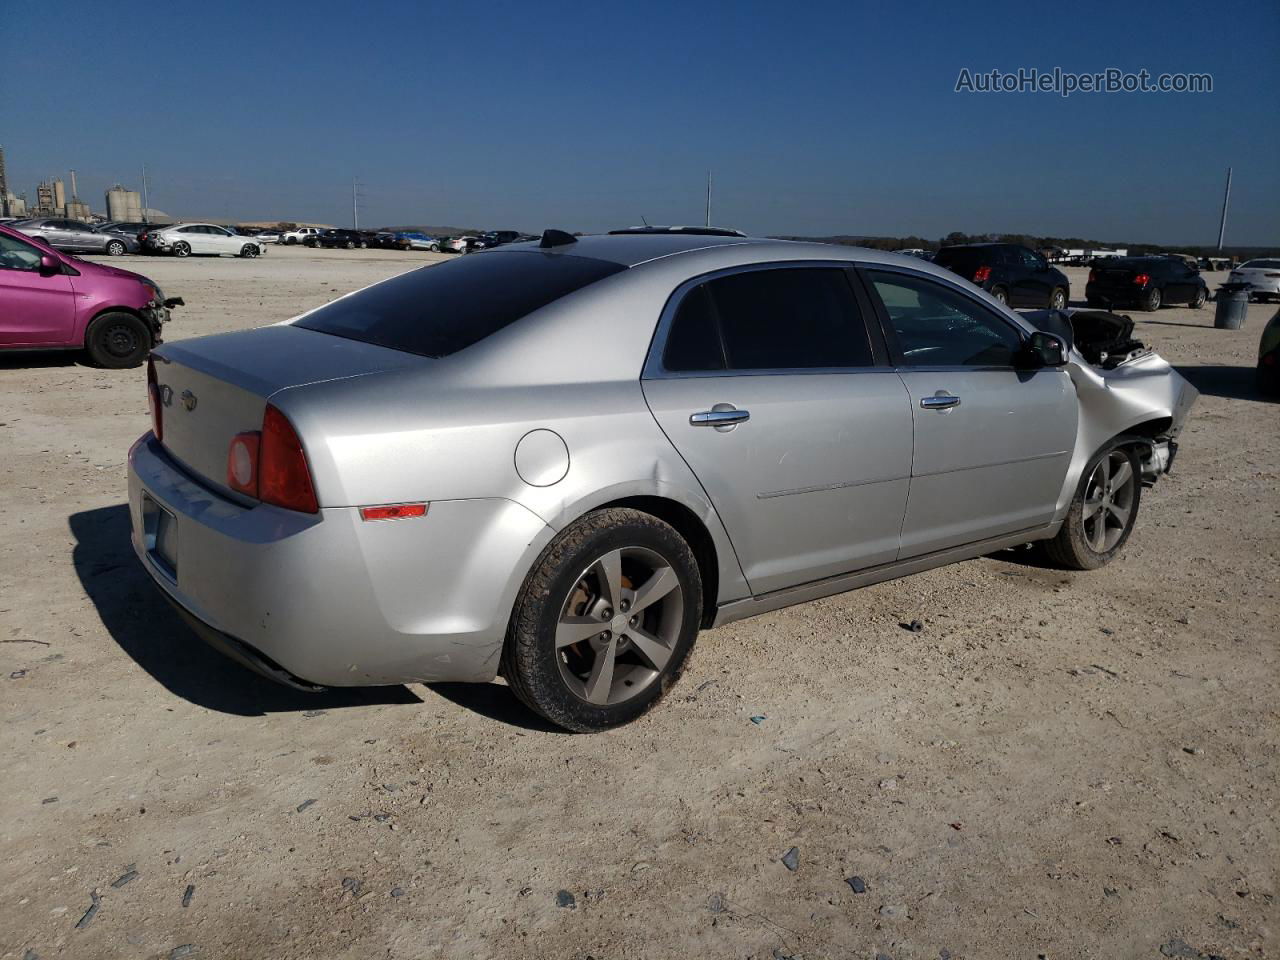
(1145, 282)
(1011, 273)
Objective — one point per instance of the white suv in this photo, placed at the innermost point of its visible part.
(299, 235)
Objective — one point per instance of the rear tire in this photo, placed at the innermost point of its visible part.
(182, 249)
(1058, 299)
(1001, 295)
(117, 341)
(1151, 302)
(588, 646)
(1102, 512)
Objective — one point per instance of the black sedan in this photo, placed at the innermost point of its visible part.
(1145, 282)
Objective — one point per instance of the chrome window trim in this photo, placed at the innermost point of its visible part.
(653, 366)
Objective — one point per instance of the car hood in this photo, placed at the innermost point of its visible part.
(104, 270)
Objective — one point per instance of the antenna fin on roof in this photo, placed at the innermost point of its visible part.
(556, 238)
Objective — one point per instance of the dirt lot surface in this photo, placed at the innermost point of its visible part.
(1059, 764)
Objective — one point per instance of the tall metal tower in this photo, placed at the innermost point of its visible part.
(4, 187)
(1226, 199)
(708, 198)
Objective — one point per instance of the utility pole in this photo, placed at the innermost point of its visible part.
(4, 187)
(1226, 199)
(74, 195)
(144, 194)
(708, 198)
(355, 205)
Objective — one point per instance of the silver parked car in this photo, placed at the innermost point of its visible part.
(75, 236)
(558, 461)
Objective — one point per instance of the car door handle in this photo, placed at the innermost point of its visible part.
(940, 401)
(718, 418)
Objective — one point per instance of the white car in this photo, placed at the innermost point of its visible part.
(185, 239)
(457, 244)
(269, 236)
(1262, 275)
(299, 235)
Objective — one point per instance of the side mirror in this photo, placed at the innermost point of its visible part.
(1044, 350)
(49, 266)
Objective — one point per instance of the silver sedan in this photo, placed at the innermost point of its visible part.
(560, 460)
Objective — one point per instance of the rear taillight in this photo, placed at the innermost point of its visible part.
(284, 478)
(271, 465)
(1093, 276)
(1141, 279)
(982, 275)
(153, 400)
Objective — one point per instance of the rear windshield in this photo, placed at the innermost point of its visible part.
(438, 310)
(962, 257)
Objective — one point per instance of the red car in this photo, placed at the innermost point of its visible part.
(54, 301)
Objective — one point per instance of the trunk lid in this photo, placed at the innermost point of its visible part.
(212, 388)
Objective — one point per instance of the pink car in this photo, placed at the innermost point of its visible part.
(54, 301)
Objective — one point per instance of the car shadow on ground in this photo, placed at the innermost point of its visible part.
(1235, 383)
(148, 629)
(495, 701)
(1175, 323)
(20, 360)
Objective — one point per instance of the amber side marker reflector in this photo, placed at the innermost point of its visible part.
(394, 511)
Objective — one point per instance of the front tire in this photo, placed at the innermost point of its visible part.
(182, 249)
(1000, 294)
(117, 341)
(249, 251)
(1201, 296)
(604, 622)
(1151, 302)
(116, 248)
(1058, 299)
(1102, 513)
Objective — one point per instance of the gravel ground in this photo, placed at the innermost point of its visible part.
(1058, 765)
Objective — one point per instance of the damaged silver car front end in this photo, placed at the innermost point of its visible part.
(1126, 391)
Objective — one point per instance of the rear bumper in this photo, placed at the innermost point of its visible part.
(330, 600)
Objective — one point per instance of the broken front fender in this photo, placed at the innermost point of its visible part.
(1144, 397)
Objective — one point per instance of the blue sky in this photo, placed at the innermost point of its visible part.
(817, 118)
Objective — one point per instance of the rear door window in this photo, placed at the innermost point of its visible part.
(791, 318)
(438, 310)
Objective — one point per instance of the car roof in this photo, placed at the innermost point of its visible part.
(632, 249)
(693, 255)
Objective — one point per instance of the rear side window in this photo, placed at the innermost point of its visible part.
(438, 310)
(783, 319)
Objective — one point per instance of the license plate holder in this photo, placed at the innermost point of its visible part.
(160, 533)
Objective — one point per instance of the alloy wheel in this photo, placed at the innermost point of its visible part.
(1108, 501)
(619, 626)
